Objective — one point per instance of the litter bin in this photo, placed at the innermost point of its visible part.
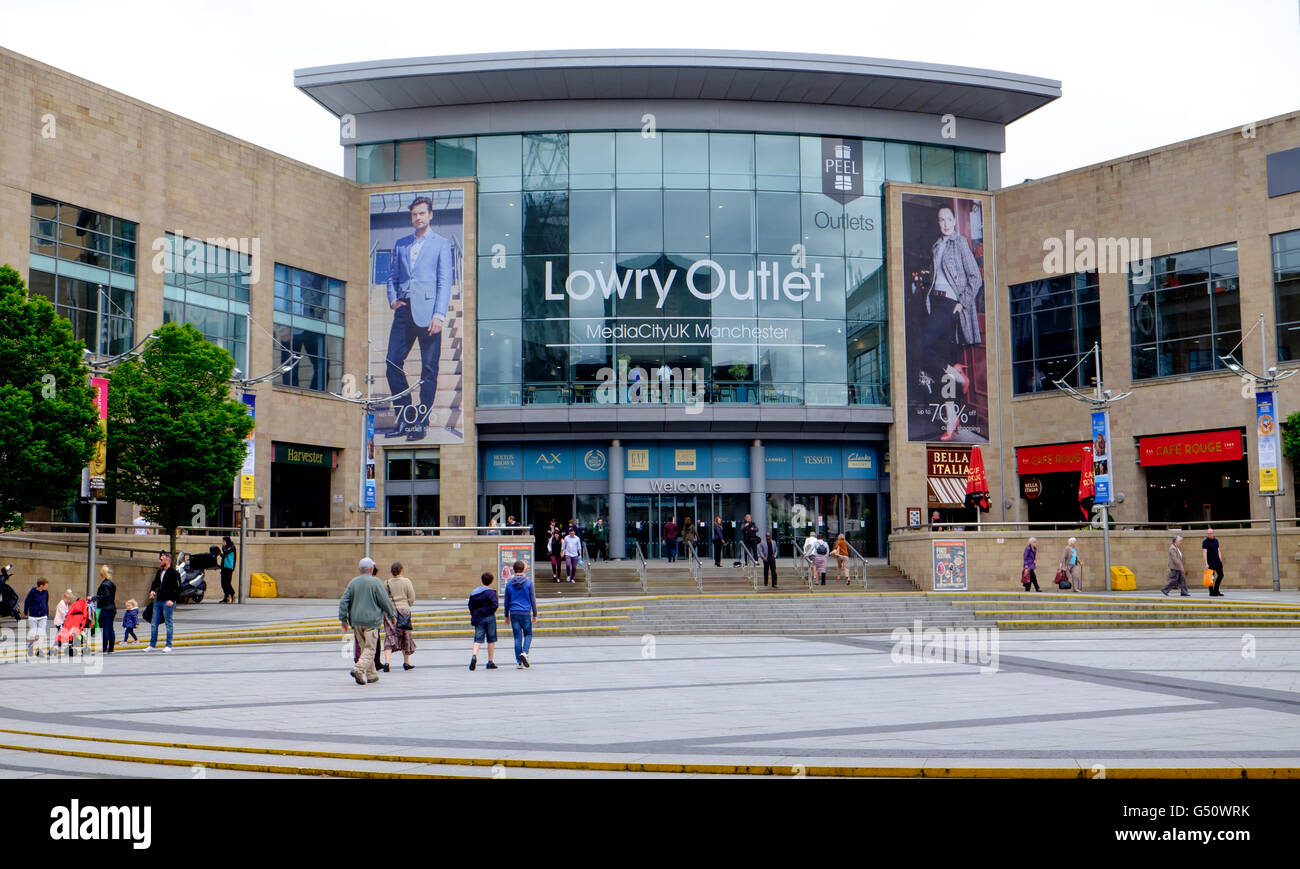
(261, 585)
(1122, 579)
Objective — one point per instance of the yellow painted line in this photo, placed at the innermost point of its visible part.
(637, 766)
(1252, 623)
(1107, 600)
(1193, 614)
(419, 619)
(334, 626)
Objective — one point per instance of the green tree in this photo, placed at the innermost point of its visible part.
(175, 437)
(48, 424)
(1291, 436)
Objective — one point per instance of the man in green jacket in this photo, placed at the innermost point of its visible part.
(361, 607)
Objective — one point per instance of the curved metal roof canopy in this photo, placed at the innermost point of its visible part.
(675, 74)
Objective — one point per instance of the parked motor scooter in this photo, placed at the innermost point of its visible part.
(8, 597)
(193, 582)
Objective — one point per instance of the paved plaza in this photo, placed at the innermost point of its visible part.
(1192, 698)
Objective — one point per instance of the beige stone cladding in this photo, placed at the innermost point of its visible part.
(1194, 194)
(114, 154)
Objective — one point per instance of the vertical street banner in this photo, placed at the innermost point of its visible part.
(949, 560)
(1101, 457)
(99, 461)
(1267, 439)
(368, 471)
(247, 491)
(508, 554)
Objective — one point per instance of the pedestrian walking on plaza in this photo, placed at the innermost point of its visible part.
(820, 553)
(362, 608)
(719, 536)
(130, 619)
(521, 607)
(106, 600)
(1029, 573)
(767, 555)
(1177, 576)
(1213, 559)
(572, 553)
(670, 540)
(690, 534)
(228, 556)
(164, 592)
(1071, 564)
(841, 552)
(36, 607)
(555, 548)
(483, 618)
(398, 630)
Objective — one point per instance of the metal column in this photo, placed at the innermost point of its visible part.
(617, 503)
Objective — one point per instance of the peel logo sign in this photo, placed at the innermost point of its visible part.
(842, 169)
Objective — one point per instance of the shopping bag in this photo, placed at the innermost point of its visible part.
(1207, 578)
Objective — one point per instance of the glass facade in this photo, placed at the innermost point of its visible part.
(84, 262)
(309, 317)
(1185, 311)
(678, 267)
(1286, 293)
(207, 285)
(1054, 322)
(411, 489)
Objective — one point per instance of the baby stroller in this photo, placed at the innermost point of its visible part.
(8, 597)
(74, 626)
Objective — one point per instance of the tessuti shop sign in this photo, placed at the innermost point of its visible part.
(1267, 440)
(946, 470)
(1050, 459)
(1182, 449)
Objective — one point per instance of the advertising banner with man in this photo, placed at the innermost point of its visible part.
(943, 305)
(417, 315)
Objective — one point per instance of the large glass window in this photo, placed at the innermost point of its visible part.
(1184, 311)
(84, 262)
(1286, 293)
(309, 310)
(730, 256)
(1054, 322)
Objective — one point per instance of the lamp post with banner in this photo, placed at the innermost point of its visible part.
(1100, 402)
(1264, 388)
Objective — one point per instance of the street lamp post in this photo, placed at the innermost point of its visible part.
(1100, 400)
(1267, 382)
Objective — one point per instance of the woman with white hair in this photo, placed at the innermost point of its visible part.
(1029, 575)
(1070, 563)
(1177, 572)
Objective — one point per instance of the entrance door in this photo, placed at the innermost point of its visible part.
(539, 510)
(677, 508)
(300, 498)
(637, 514)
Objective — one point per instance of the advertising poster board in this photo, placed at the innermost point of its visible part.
(949, 563)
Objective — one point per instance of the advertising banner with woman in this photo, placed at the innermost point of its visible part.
(943, 271)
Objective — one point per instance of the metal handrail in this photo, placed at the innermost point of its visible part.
(693, 562)
(854, 554)
(585, 563)
(985, 526)
(640, 563)
(749, 562)
(155, 531)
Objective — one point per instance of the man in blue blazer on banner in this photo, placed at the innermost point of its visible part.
(419, 291)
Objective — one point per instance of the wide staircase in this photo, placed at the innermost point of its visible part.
(610, 578)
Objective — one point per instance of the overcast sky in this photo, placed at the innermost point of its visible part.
(1135, 74)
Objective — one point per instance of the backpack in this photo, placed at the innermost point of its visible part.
(821, 548)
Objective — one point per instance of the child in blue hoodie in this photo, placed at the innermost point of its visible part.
(482, 615)
(521, 607)
(130, 619)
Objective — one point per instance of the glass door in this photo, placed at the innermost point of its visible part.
(638, 528)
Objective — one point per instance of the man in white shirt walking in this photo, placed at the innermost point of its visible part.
(572, 552)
